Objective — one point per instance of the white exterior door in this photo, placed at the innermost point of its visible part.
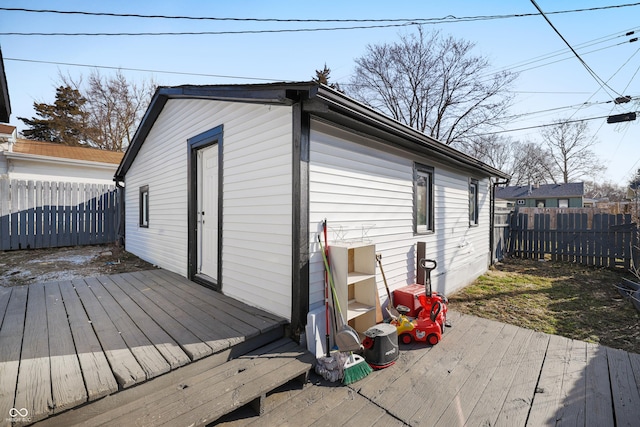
(208, 211)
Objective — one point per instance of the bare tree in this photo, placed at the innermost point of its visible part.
(494, 150)
(569, 145)
(432, 83)
(532, 164)
(114, 106)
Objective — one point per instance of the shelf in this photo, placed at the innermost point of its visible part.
(356, 276)
(357, 309)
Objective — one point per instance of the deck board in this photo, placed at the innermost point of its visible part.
(145, 353)
(624, 389)
(68, 389)
(165, 344)
(490, 400)
(181, 334)
(231, 308)
(208, 308)
(33, 390)
(11, 341)
(598, 403)
(98, 377)
(473, 388)
(517, 403)
(206, 332)
(123, 363)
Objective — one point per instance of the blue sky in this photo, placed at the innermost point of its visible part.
(520, 44)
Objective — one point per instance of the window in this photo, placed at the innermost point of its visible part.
(473, 202)
(563, 203)
(423, 198)
(144, 206)
(540, 203)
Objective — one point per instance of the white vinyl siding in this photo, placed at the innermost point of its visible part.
(257, 196)
(367, 193)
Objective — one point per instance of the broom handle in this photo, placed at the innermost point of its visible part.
(326, 295)
(333, 289)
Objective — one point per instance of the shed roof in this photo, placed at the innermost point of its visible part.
(317, 100)
(6, 129)
(570, 189)
(50, 149)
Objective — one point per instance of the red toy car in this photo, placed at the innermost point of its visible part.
(423, 328)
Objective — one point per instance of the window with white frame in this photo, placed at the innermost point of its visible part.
(473, 202)
(144, 206)
(423, 198)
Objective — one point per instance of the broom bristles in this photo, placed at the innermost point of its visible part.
(355, 369)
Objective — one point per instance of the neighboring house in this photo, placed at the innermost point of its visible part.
(25, 159)
(229, 185)
(569, 195)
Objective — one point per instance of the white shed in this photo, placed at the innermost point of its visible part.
(229, 185)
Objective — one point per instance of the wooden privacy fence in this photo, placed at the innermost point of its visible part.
(583, 237)
(35, 214)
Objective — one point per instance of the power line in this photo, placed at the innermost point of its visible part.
(542, 126)
(601, 82)
(107, 67)
(448, 18)
(216, 33)
(398, 22)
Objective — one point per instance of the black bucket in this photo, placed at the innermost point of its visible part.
(381, 345)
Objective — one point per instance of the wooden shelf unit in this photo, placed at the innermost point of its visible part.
(354, 275)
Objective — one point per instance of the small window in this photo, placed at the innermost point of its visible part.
(423, 198)
(563, 203)
(473, 202)
(144, 206)
(540, 203)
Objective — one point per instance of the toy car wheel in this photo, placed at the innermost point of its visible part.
(406, 338)
(432, 339)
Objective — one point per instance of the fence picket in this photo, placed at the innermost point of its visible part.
(37, 214)
(598, 239)
(5, 212)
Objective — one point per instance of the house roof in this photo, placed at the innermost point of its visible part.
(50, 149)
(5, 104)
(570, 189)
(318, 101)
(6, 129)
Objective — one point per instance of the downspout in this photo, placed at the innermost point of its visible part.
(492, 212)
(120, 232)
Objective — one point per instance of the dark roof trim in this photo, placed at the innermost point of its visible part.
(322, 102)
(341, 106)
(5, 103)
(273, 93)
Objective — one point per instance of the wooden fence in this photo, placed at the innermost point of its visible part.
(581, 236)
(36, 214)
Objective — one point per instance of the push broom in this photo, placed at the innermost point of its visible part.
(355, 368)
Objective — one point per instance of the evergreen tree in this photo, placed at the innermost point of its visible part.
(322, 77)
(63, 122)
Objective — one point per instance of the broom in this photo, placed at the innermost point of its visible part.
(355, 369)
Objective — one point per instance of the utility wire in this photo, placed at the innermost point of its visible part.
(398, 22)
(216, 33)
(447, 18)
(543, 126)
(107, 67)
(601, 82)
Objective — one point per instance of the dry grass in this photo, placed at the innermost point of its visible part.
(557, 298)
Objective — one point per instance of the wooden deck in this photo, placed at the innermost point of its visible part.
(483, 373)
(63, 344)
